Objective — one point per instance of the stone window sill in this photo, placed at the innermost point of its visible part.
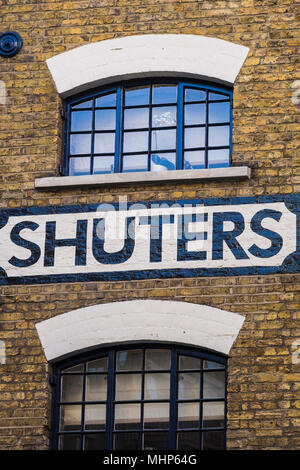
(57, 182)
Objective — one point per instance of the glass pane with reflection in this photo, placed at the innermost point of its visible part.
(213, 440)
(213, 414)
(218, 158)
(71, 388)
(70, 418)
(104, 143)
(95, 417)
(98, 365)
(163, 139)
(164, 94)
(77, 368)
(135, 141)
(156, 415)
(128, 386)
(194, 159)
(157, 359)
(83, 104)
(163, 161)
(129, 360)
(80, 144)
(192, 94)
(217, 96)
(96, 387)
(188, 440)
(104, 164)
(81, 121)
(106, 100)
(69, 442)
(164, 116)
(135, 163)
(212, 365)
(137, 96)
(188, 385)
(79, 166)
(189, 363)
(194, 137)
(105, 119)
(136, 118)
(218, 136)
(127, 416)
(157, 386)
(219, 112)
(214, 384)
(188, 415)
(194, 114)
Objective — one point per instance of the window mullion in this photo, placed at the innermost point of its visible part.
(119, 133)
(110, 401)
(173, 401)
(180, 132)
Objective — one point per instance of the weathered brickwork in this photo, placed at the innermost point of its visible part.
(263, 383)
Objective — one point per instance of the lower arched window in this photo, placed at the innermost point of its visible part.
(150, 397)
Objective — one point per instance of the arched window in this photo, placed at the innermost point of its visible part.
(153, 125)
(149, 397)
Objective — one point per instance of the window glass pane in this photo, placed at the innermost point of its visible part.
(192, 94)
(188, 415)
(105, 119)
(80, 144)
(79, 166)
(128, 386)
(127, 441)
(214, 384)
(71, 388)
(81, 121)
(217, 96)
(213, 414)
(164, 116)
(188, 362)
(213, 440)
(129, 360)
(95, 417)
(163, 161)
(137, 96)
(194, 137)
(127, 416)
(136, 118)
(219, 112)
(135, 163)
(164, 94)
(212, 365)
(104, 164)
(96, 387)
(69, 442)
(194, 159)
(164, 139)
(70, 418)
(105, 143)
(135, 141)
(156, 441)
(157, 386)
(99, 365)
(188, 386)
(194, 114)
(218, 158)
(157, 359)
(77, 368)
(218, 136)
(156, 415)
(188, 440)
(94, 441)
(83, 104)
(106, 100)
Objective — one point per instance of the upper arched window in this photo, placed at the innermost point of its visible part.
(154, 125)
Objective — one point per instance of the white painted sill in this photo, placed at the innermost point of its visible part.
(56, 182)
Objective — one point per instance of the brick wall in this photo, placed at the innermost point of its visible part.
(263, 410)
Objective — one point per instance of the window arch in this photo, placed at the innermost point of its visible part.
(141, 396)
(152, 125)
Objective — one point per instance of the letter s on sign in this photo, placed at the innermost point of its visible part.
(19, 241)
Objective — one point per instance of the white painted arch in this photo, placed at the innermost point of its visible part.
(111, 60)
(137, 321)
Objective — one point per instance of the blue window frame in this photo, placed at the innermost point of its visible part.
(141, 397)
(149, 126)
